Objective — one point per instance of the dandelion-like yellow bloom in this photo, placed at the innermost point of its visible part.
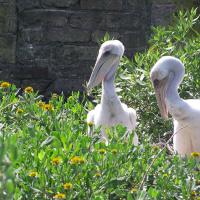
(59, 196)
(98, 174)
(195, 154)
(40, 104)
(28, 90)
(133, 190)
(56, 161)
(77, 160)
(193, 193)
(33, 174)
(90, 123)
(19, 111)
(102, 151)
(48, 107)
(67, 186)
(5, 84)
(114, 151)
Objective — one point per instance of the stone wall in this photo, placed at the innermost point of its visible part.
(52, 44)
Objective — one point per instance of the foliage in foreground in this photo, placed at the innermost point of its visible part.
(45, 152)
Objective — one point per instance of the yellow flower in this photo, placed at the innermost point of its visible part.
(195, 154)
(59, 196)
(67, 186)
(28, 90)
(133, 190)
(40, 104)
(77, 160)
(47, 107)
(19, 111)
(33, 174)
(193, 193)
(114, 151)
(97, 174)
(90, 123)
(56, 161)
(5, 84)
(102, 151)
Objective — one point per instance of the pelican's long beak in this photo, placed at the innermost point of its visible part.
(160, 87)
(102, 66)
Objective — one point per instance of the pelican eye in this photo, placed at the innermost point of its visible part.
(107, 53)
(156, 83)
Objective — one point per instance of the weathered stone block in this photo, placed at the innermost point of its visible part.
(59, 3)
(31, 35)
(133, 39)
(5, 71)
(75, 53)
(7, 18)
(7, 49)
(27, 4)
(164, 10)
(102, 4)
(67, 85)
(162, 1)
(77, 70)
(44, 18)
(33, 54)
(87, 20)
(128, 21)
(67, 35)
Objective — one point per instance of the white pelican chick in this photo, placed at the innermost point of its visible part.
(110, 111)
(166, 75)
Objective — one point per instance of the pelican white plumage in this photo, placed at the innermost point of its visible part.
(166, 75)
(110, 111)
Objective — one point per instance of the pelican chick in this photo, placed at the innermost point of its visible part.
(166, 76)
(110, 111)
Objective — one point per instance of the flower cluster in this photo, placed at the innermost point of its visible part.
(67, 186)
(77, 160)
(5, 84)
(48, 107)
(59, 196)
(28, 90)
(195, 154)
(56, 161)
(133, 190)
(33, 174)
(98, 174)
(45, 106)
(19, 111)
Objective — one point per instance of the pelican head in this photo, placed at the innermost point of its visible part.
(107, 61)
(167, 72)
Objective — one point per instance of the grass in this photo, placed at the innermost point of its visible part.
(46, 154)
